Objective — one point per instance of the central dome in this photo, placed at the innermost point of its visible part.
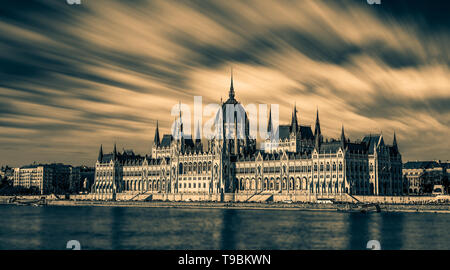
(238, 119)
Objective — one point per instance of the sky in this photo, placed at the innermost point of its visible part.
(73, 77)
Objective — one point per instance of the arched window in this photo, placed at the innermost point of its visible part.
(180, 168)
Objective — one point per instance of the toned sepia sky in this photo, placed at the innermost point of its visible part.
(73, 77)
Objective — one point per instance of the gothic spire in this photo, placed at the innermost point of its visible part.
(197, 134)
(231, 94)
(343, 137)
(100, 154)
(294, 122)
(317, 129)
(269, 125)
(115, 151)
(156, 141)
(394, 142)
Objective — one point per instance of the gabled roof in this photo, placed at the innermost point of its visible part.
(421, 165)
(356, 147)
(167, 139)
(106, 158)
(189, 141)
(283, 132)
(306, 133)
(330, 147)
(372, 141)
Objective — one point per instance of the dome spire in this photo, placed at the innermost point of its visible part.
(231, 94)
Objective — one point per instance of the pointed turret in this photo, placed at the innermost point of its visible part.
(231, 94)
(115, 151)
(294, 121)
(100, 154)
(156, 141)
(343, 142)
(317, 132)
(394, 143)
(317, 129)
(269, 125)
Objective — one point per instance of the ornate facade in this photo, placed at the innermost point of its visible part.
(300, 162)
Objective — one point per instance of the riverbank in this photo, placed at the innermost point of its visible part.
(437, 208)
(398, 204)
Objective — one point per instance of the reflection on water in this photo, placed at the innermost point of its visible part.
(174, 228)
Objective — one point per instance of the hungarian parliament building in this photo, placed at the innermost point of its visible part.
(300, 162)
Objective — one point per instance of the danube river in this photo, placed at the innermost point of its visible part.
(50, 227)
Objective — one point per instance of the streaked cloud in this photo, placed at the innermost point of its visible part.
(73, 77)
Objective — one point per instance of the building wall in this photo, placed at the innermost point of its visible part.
(38, 178)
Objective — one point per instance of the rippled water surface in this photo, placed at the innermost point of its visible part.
(50, 227)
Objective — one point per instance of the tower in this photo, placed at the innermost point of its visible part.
(317, 132)
(294, 121)
(231, 93)
(343, 138)
(156, 141)
(394, 143)
(100, 154)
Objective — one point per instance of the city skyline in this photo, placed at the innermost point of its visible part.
(69, 82)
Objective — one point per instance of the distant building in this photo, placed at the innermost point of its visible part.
(422, 176)
(46, 178)
(6, 177)
(7, 173)
(36, 178)
(301, 163)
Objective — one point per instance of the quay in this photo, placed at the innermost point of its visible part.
(439, 204)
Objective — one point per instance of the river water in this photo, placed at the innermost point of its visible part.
(51, 227)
